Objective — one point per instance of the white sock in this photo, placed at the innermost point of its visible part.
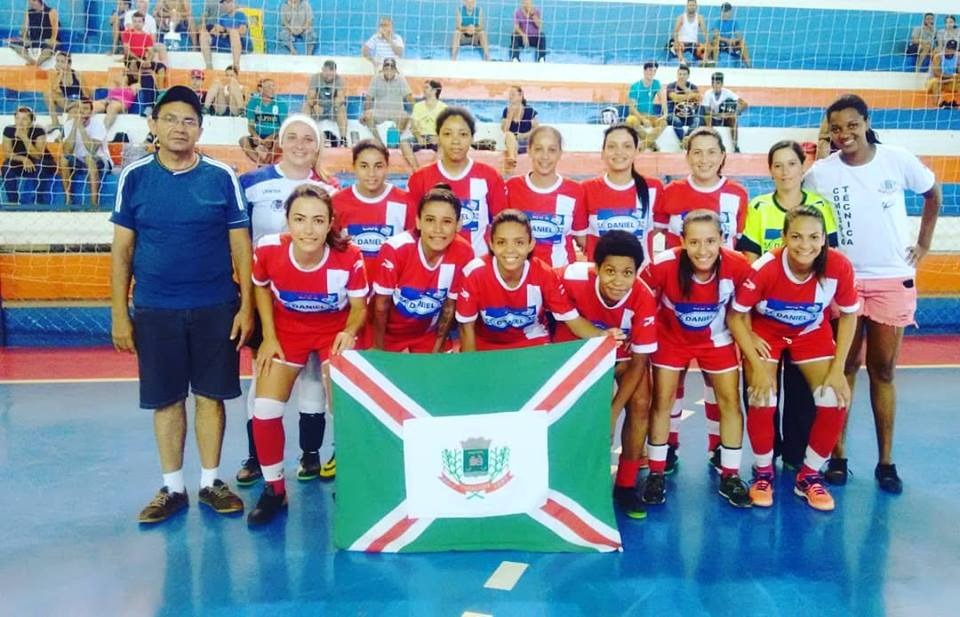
(207, 476)
(174, 481)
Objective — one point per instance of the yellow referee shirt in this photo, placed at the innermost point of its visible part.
(763, 229)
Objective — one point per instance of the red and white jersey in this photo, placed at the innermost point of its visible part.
(700, 317)
(613, 206)
(418, 290)
(511, 316)
(315, 301)
(784, 306)
(372, 221)
(727, 198)
(481, 192)
(635, 313)
(556, 214)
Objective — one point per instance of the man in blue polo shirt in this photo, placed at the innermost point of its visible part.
(180, 230)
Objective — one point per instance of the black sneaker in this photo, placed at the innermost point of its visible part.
(220, 498)
(163, 505)
(309, 467)
(673, 461)
(329, 469)
(836, 472)
(654, 491)
(714, 460)
(888, 479)
(735, 491)
(629, 502)
(267, 507)
(249, 472)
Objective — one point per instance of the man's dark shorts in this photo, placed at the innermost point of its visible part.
(183, 350)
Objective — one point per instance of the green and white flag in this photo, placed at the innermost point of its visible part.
(490, 450)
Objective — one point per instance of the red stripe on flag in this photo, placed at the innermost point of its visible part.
(392, 534)
(577, 525)
(576, 375)
(394, 409)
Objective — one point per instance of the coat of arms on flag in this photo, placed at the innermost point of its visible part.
(493, 450)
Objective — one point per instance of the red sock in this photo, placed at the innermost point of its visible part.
(760, 431)
(657, 456)
(627, 472)
(712, 412)
(826, 429)
(269, 438)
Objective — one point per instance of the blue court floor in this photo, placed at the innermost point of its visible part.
(79, 462)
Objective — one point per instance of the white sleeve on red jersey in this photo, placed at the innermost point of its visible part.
(262, 254)
(753, 289)
(467, 307)
(555, 298)
(643, 334)
(581, 222)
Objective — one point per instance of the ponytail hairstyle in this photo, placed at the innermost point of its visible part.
(852, 101)
(685, 272)
(523, 99)
(443, 193)
(511, 215)
(639, 182)
(335, 238)
(820, 263)
(709, 131)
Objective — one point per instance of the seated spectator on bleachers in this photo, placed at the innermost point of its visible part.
(228, 31)
(135, 40)
(142, 7)
(38, 34)
(721, 107)
(469, 30)
(726, 35)
(84, 149)
(296, 24)
(25, 156)
(196, 84)
(116, 24)
(683, 105)
(689, 34)
(922, 40)
(153, 81)
(385, 43)
(943, 80)
(949, 32)
(423, 123)
(172, 28)
(226, 96)
(121, 93)
(643, 98)
(65, 86)
(385, 100)
(265, 114)
(327, 99)
(517, 122)
(528, 32)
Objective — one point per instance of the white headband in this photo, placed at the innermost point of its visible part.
(300, 118)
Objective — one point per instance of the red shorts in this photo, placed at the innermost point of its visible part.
(296, 347)
(417, 344)
(810, 347)
(710, 359)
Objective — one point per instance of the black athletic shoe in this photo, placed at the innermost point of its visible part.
(267, 507)
(654, 491)
(888, 479)
(163, 505)
(673, 461)
(629, 502)
(220, 498)
(309, 467)
(714, 460)
(249, 472)
(735, 491)
(836, 472)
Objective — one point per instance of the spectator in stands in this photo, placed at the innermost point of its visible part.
(136, 42)
(173, 30)
(265, 114)
(153, 81)
(642, 100)
(38, 35)
(149, 23)
(683, 105)
(25, 156)
(116, 24)
(528, 32)
(517, 121)
(296, 24)
(469, 29)
(84, 149)
(226, 96)
(943, 80)
(196, 84)
(721, 107)
(726, 35)
(65, 86)
(122, 92)
(385, 100)
(423, 123)
(385, 43)
(949, 32)
(230, 32)
(689, 34)
(327, 99)
(922, 40)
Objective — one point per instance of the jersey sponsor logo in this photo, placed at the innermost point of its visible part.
(470, 214)
(793, 313)
(369, 238)
(304, 302)
(419, 303)
(696, 316)
(547, 228)
(277, 205)
(503, 318)
(623, 220)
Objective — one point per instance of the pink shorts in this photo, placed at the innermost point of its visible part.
(710, 359)
(890, 301)
(810, 347)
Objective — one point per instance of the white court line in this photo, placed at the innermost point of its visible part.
(472, 614)
(700, 402)
(686, 413)
(506, 575)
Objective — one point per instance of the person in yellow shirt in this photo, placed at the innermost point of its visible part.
(423, 124)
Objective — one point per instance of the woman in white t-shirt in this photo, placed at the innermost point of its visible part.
(866, 182)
